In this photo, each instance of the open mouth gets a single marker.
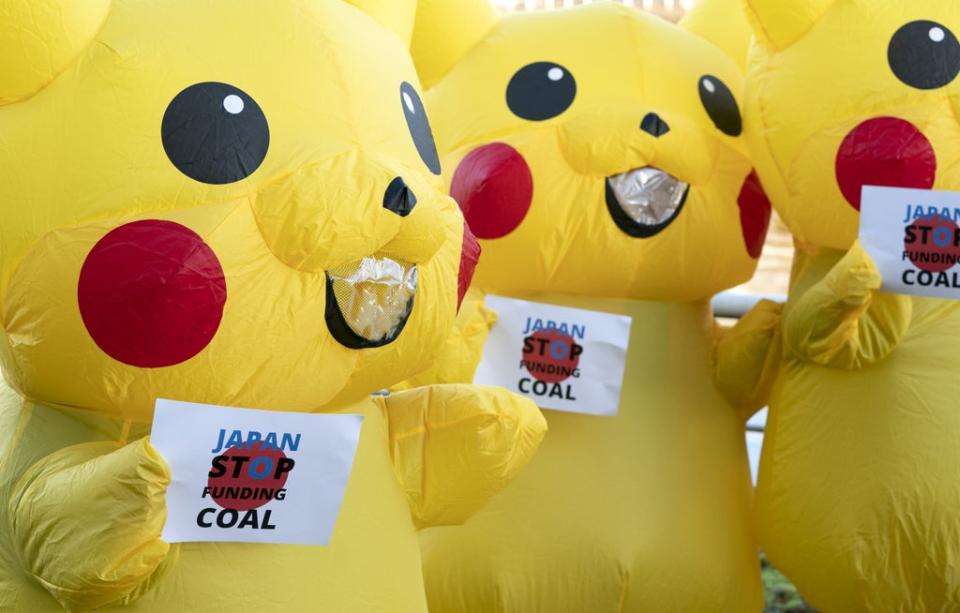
(370, 301)
(644, 201)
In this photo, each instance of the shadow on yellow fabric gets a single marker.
(598, 156)
(231, 202)
(858, 497)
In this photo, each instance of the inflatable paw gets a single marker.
(230, 202)
(597, 153)
(857, 497)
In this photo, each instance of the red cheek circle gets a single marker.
(755, 213)
(494, 188)
(888, 152)
(469, 256)
(151, 294)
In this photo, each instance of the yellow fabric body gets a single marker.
(81, 528)
(457, 360)
(857, 499)
(649, 510)
(857, 494)
(81, 491)
(646, 511)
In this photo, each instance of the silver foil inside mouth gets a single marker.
(374, 296)
(649, 196)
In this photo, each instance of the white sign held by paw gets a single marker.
(561, 358)
(913, 236)
(244, 475)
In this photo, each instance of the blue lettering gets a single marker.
(266, 463)
(270, 442)
(290, 442)
(942, 236)
(235, 440)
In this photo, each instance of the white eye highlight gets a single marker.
(233, 104)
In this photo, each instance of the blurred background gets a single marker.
(771, 279)
(671, 9)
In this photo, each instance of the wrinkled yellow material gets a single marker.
(39, 39)
(457, 361)
(858, 494)
(649, 510)
(646, 511)
(746, 357)
(86, 508)
(484, 445)
(81, 490)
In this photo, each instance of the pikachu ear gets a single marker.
(723, 23)
(780, 23)
(396, 15)
(39, 39)
(445, 31)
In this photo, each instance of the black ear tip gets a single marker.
(654, 125)
(399, 198)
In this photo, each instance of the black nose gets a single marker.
(654, 125)
(399, 198)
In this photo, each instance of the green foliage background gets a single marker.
(781, 595)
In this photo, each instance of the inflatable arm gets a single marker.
(86, 522)
(458, 358)
(454, 446)
(844, 321)
(746, 358)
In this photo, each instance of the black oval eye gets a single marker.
(720, 105)
(419, 126)
(925, 55)
(215, 133)
(541, 91)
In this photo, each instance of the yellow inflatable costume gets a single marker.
(859, 499)
(597, 153)
(229, 202)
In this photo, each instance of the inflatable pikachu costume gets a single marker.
(597, 154)
(228, 202)
(859, 498)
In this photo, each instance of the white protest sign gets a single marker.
(243, 475)
(913, 237)
(564, 359)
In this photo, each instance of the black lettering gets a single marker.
(528, 345)
(285, 465)
(249, 519)
(200, 521)
(911, 235)
(238, 462)
(218, 469)
(227, 518)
